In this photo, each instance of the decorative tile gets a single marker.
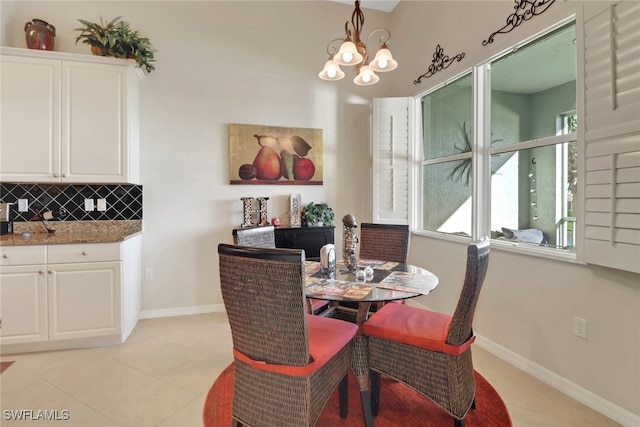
(124, 202)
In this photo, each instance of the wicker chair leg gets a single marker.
(236, 423)
(343, 394)
(375, 393)
(473, 404)
(458, 423)
(366, 408)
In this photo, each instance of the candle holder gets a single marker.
(263, 210)
(248, 211)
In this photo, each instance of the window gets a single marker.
(524, 149)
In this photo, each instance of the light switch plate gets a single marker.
(23, 205)
(102, 205)
(88, 205)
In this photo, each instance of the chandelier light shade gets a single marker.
(348, 54)
(366, 76)
(383, 60)
(353, 52)
(331, 71)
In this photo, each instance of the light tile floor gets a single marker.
(161, 375)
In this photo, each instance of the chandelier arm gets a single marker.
(357, 21)
(332, 50)
(347, 31)
(384, 38)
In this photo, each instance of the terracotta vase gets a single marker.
(39, 34)
(97, 50)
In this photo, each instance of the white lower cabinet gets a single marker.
(66, 296)
(23, 304)
(84, 300)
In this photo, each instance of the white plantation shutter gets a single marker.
(391, 134)
(612, 138)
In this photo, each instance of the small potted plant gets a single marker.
(116, 38)
(317, 215)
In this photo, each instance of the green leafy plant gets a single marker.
(314, 213)
(463, 168)
(116, 38)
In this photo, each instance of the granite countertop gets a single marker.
(34, 233)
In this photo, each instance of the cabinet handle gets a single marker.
(64, 175)
(5, 256)
(50, 272)
(84, 253)
(55, 175)
(40, 272)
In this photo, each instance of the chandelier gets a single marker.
(353, 52)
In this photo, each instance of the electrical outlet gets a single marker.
(148, 274)
(102, 205)
(88, 205)
(23, 205)
(580, 327)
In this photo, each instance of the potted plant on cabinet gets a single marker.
(116, 38)
(317, 215)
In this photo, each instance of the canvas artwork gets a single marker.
(260, 154)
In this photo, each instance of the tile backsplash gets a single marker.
(123, 201)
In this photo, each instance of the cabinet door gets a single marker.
(29, 130)
(84, 300)
(23, 304)
(95, 130)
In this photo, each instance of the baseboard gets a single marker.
(581, 394)
(181, 311)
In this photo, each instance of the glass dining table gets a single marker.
(390, 281)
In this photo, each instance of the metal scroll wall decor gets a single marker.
(440, 62)
(524, 11)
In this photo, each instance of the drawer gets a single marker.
(84, 252)
(22, 255)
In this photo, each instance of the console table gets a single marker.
(311, 239)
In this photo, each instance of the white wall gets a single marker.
(220, 63)
(257, 63)
(527, 304)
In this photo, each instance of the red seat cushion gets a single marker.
(413, 326)
(326, 338)
(317, 304)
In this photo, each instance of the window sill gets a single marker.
(533, 250)
(508, 246)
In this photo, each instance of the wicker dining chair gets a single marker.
(259, 237)
(385, 242)
(287, 362)
(264, 237)
(388, 242)
(427, 350)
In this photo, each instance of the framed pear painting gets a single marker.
(274, 155)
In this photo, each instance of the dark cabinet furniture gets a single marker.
(311, 239)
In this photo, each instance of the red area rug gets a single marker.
(399, 406)
(5, 365)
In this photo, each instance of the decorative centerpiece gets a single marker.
(117, 39)
(317, 215)
(349, 242)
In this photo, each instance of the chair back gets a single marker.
(386, 242)
(460, 329)
(263, 293)
(258, 237)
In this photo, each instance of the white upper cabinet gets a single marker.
(68, 118)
